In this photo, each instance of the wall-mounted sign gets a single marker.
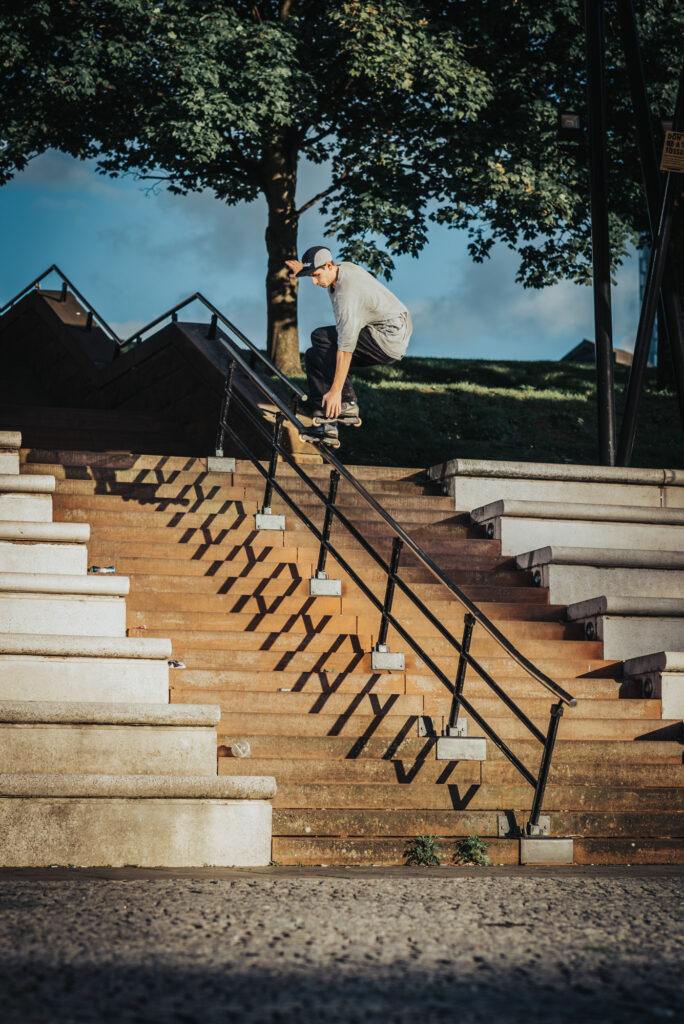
(673, 152)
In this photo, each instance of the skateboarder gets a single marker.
(371, 327)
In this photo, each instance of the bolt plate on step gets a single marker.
(267, 520)
(461, 748)
(541, 850)
(509, 829)
(460, 729)
(426, 727)
(220, 464)
(386, 661)
(321, 586)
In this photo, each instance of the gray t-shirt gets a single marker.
(359, 300)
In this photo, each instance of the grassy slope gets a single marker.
(423, 411)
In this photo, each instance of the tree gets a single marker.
(423, 110)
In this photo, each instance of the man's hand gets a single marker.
(332, 403)
(295, 266)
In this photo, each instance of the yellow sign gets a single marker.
(673, 152)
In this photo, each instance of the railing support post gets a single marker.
(389, 592)
(542, 778)
(273, 464)
(89, 321)
(223, 415)
(63, 293)
(327, 524)
(468, 626)
(211, 334)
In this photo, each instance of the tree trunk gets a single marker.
(280, 184)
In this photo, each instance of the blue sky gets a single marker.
(134, 254)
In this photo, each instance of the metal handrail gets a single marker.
(54, 269)
(401, 539)
(275, 399)
(547, 740)
(136, 337)
(429, 563)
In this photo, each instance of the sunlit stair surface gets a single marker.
(97, 767)
(292, 673)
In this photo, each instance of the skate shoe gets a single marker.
(326, 433)
(349, 416)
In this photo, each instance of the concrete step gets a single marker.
(10, 443)
(524, 525)
(112, 739)
(630, 627)
(21, 557)
(134, 820)
(68, 583)
(37, 667)
(661, 676)
(476, 482)
(63, 614)
(21, 507)
(25, 483)
(48, 532)
(577, 574)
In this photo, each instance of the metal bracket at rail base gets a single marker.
(509, 829)
(321, 585)
(267, 520)
(383, 660)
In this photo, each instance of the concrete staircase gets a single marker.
(292, 673)
(96, 766)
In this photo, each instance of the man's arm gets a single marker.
(332, 399)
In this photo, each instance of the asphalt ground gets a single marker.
(577, 944)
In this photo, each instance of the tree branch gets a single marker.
(317, 199)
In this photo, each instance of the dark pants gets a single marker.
(321, 360)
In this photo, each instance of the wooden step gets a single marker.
(412, 749)
(539, 619)
(254, 636)
(354, 851)
(389, 682)
(429, 772)
(413, 822)
(366, 702)
(384, 722)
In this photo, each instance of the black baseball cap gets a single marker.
(315, 257)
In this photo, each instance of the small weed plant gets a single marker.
(472, 850)
(424, 851)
